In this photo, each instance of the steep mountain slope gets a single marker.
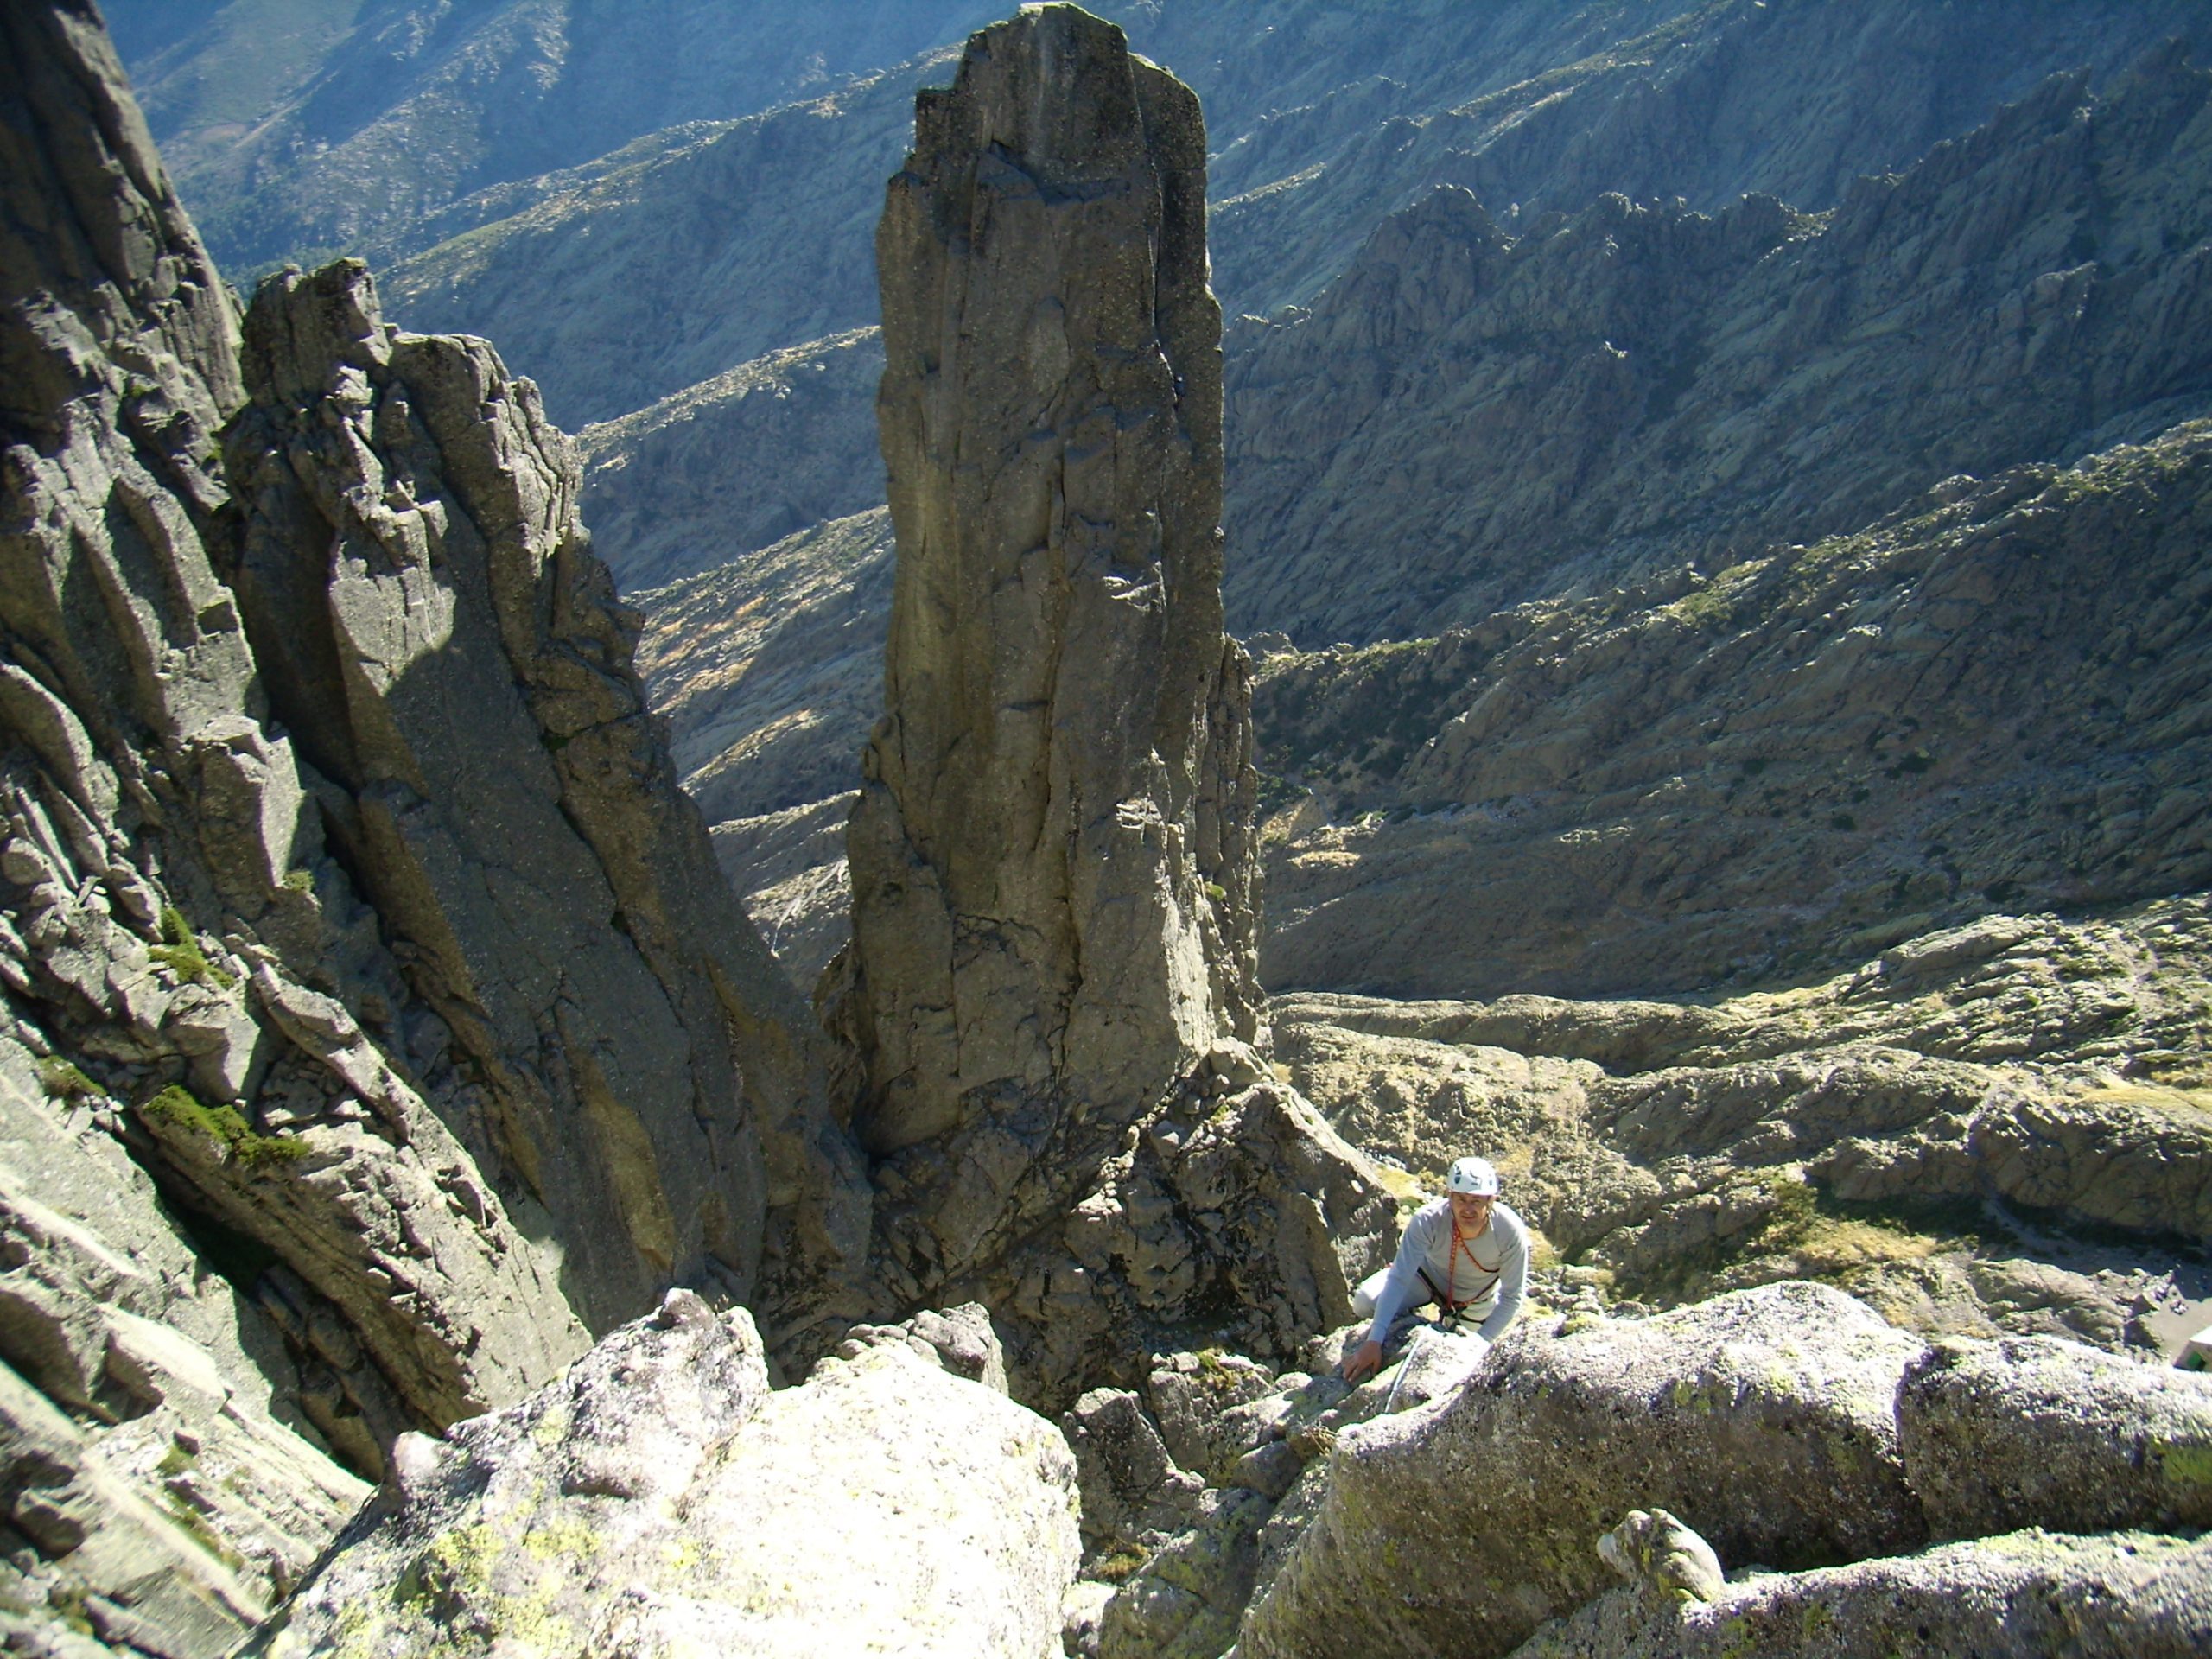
(1997, 697)
(614, 291)
(740, 461)
(310, 125)
(770, 670)
(701, 250)
(1793, 98)
(344, 1062)
(1469, 419)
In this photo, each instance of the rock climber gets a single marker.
(1466, 1252)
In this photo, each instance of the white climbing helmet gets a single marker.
(1473, 1175)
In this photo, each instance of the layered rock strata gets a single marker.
(281, 1180)
(1992, 1128)
(235, 1242)
(1053, 876)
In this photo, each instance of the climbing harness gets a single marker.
(1452, 1304)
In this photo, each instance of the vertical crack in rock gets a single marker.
(1052, 858)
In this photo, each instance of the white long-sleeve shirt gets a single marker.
(1497, 1259)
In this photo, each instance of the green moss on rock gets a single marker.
(224, 1125)
(181, 954)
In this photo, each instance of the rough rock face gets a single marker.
(2120, 1596)
(658, 1498)
(1794, 764)
(1053, 872)
(1578, 1415)
(1058, 777)
(444, 649)
(166, 1430)
(1765, 1419)
(1633, 386)
(2036, 1432)
(260, 1139)
(153, 1436)
(1784, 1428)
(1992, 1128)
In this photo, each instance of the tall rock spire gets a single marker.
(1052, 859)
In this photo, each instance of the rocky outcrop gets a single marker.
(1785, 767)
(175, 1391)
(167, 1483)
(1763, 440)
(1764, 1419)
(2037, 1432)
(2120, 1595)
(1992, 1128)
(1845, 1417)
(1053, 903)
(1636, 386)
(1787, 1428)
(286, 1175)
(658, 1498)
(444, 649)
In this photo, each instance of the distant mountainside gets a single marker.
(1468, 418)
(337, 125)
(1997, 699)
(614, 287)
(1513, 335)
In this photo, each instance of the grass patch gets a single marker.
(63, 1081)
(181, 954)
(1121, 1560)
(194, 1526)
(1811, 1234)
(66, 1603)
(224, 1125)
(2191, 1105)
(1407, 1189)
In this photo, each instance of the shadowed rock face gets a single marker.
(1051, 863)
(167, 1433)
(437, 636)
(1051, 981)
